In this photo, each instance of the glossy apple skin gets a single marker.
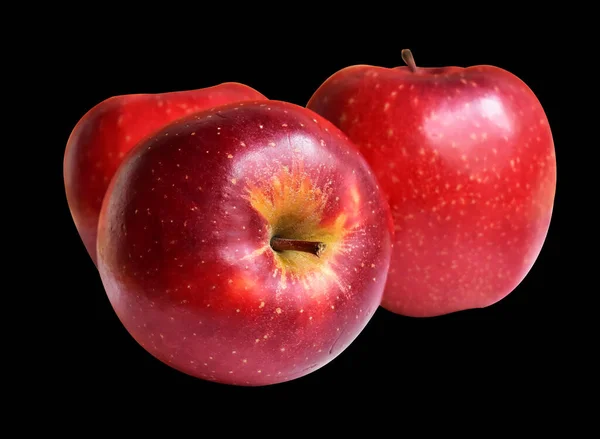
(103, 136)
(184, 254)
(466, 159)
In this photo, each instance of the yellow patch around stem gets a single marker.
(293, 206)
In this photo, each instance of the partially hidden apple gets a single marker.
(103, 136)
(248, 244)
(466, 159)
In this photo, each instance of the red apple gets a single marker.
(247, 244)
(466, 159)
(109, 130)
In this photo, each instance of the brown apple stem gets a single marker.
(408, 58)
(283, 244)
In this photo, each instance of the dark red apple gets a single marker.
(248, 244)
(466, 159)
(109, 130)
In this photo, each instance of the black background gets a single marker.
(513, 347)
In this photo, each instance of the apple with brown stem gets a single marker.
(247, 245)
(466, 159)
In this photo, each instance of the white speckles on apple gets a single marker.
(390, 132)
(350, 101)
(415, 100)
(261, 126)
(386, 106)
(278, 310)
(393, 94)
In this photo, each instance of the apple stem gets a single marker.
(408, 58)
(283, 244)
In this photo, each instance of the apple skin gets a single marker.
(466, 159)
(184, 233)
(103, 136)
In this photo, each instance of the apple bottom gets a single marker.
(464, 271)
(243, 348)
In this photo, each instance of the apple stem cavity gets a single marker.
(408, 58)
(283, 244)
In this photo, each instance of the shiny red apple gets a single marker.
(103, 136)
(466, 159)
(247, 244)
